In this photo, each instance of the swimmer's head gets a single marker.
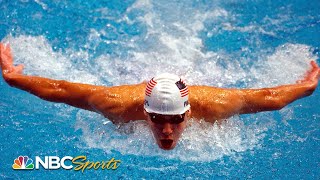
(166, 94)
(167, 108)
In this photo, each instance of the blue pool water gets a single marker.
(239, 44)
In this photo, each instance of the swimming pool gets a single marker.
(243, 44)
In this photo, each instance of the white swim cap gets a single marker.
(166, 94)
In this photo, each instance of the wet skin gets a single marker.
(167, 133)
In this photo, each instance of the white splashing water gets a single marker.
(201, 141)
(173, 46)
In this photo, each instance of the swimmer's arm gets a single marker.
(268, 99)
(60, 91)
(216, 104)
(121, 103)
(118, 103)
(212, 104)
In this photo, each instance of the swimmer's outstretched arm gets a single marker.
(214, 104)
(112, 102)
(268, 99)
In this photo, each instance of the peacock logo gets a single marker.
(23, 162)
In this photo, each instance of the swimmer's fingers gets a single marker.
(5, 58)
(312, 74)
(6, 53)
(314, 64)
(315, 68)
(315, 71)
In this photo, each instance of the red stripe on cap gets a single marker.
(183, 90)
(152, 82)
(150, 87)
(184, 95)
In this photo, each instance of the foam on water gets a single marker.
(39, 59)
(201, 141)
(171, 44)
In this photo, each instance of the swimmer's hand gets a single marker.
(6, 61)
(311, 76)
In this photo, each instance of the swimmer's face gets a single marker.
(167, 129)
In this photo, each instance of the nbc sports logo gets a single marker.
(23, 162)
(55, 162)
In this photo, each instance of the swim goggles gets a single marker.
(162, 119)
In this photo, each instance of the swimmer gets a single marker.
(165, 102)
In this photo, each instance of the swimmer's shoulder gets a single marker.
(120, 103)
(210, 103)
